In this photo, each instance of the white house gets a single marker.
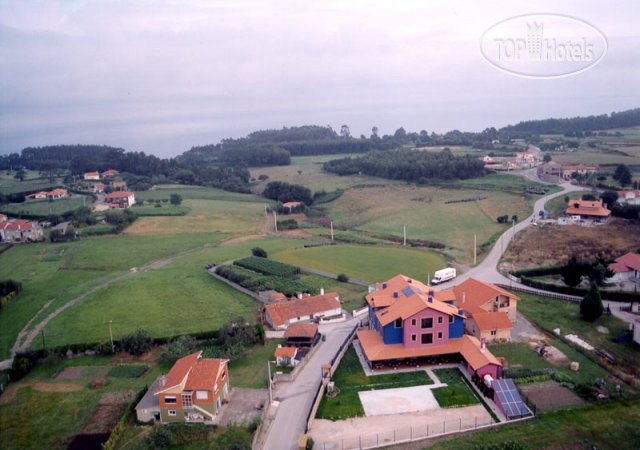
(286, 356)
(282, 314)
(626, 267)
(629, 197)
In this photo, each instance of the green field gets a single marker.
(45, 207)
(164, 191)
(457, 392)
(33, 181)
(350, 379)
(365, 263)
(607, 425)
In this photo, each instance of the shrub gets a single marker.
(232, 438)
(137, 342)
(176, 349)
(343, 278)
(175, 199)
(160, 437)
(255, 423)
(259, 252)
(591, 305)
(263, 177)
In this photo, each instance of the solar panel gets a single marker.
(509, 398)
(408, 292)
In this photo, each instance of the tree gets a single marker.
(572, 272)
(622, 175)
(591, 305)
(546, 158)
(137, 342)
(343, 278)
(588, 197)
(259, 252)
(374, 132)
(514, 218)
(609, 198)
(175, 199)
(345, 132)
(176, 349)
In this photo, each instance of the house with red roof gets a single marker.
(286, 356)
(120, 199)
(38, 195)
(98, 188)
(629, 197)
(592, 210)
(110, 173)
(411, 321)
(569, 172)
(18, 230)
(57, 193)
(491, 311)
(282, 314)
(92, 175)
(302, 334)
(626, 267)
(193, 391)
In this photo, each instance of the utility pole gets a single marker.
(269, 373)
(404, 234)
(113, 349)
(475, 251)
(331, 230)
(275, 220)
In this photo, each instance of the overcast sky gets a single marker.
(162, 76)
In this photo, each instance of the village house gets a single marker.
(3, 218)
(488, 160)
(121, 199)
(569, 172)
(98, 188)
(550, 169)
(302, 334)
(626, 267)
(291, 206)
(119, 185)
(631, 197)
(491, 311)
(527, 159)
(286, 356)
(592, 210)
(92, 175)
(409, 320)
(193, 391)
(38, 195)
(57, 193)
(18, 230)
(109, 173)
(282, 314)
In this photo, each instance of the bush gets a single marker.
(288, 224)
(255, 423)
(259, 252)
(343, 278)
(160, 437)
(263, 177)
(137, 342)
(591, 305)
(175, 199)
(176, 349)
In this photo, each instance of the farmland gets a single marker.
(365, 263)
(45, 207)
(32, 182)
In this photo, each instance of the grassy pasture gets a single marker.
(164, 191)
(32, 182)
(424, 211)
(45, 207)
(365, 263)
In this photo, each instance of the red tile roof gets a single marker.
(286, 352)
(110, 172)
(120, 194)
(587, 208)
(17, 225)
(282, 311)
(407, 307)
(626, 263)
(477, 293)
(305, 330)
(193, 372)
(92, 174)
(291, 204)
(622, 194)
(389, 291)
(58, 191)
(492, 321)
(468, 346)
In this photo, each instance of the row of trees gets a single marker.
(409, 165)
(285, 192)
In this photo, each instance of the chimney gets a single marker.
(300, 296)
(384, 285)
(409, 280)
(321, 291)
(464, 296)
(395, 295)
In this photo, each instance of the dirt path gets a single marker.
(29, 336)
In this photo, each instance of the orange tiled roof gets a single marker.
(406, 308)
(587, 208)
(468, 346)
(17, 225)
(193, 372)
(476, 294)
(291, 204)
(91, 174)
(306, 330)
(384, 294)
(623, 194)
(282, 311)
(492, 321)
(120, 194)
(58, 191)
(626, 263)
(285, 352)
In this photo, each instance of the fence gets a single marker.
(407, 434)
(359, 312)
(541, 293)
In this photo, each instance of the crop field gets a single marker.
(45, 207)
(307, 171)
(426, 215)
(365, 263)
(32, 181)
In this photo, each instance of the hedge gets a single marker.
(538, 271)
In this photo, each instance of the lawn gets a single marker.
(32, 182)
(366, 263)
(457, 392)
(164, 191)
(550, 314)
(426, 214)
(36, 419)
(351, 295)
(250, 371)
(350, 379)
(45, 207)
(557, 206)
(597, 426)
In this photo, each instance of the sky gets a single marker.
(163, 76)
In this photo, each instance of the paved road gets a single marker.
(296, 398)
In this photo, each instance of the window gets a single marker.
(169, 399)
(450, 319)
(427, 323)
(413, 337)
(171, 412)
(439, 334)
(202, 395)
(493, 332)
(187, 400)
(427, 338)
(398, 323)
(413, 322)
(440, 319)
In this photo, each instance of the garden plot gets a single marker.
(549, 394)
(398, 401)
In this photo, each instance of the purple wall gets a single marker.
(490, 369)
(417, 329)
